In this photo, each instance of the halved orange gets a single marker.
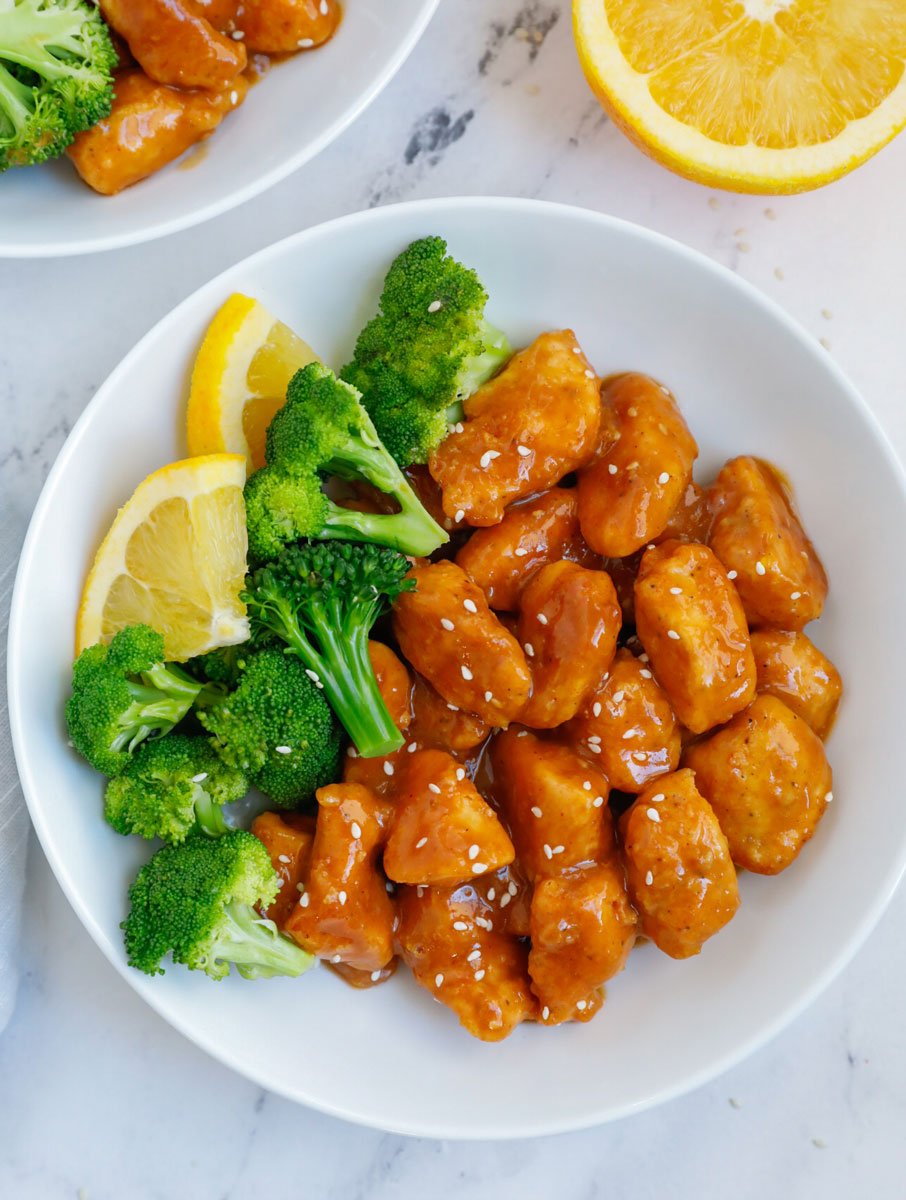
(751, 95)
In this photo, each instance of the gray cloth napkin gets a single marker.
(13, 816)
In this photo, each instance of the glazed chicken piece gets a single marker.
(526, 429)
(150, 125)
(627, 727)
(509, 893)
(288, 838)
(582, 929)
(345, 914)
(451, 941)
(554, 802)
(443, 832)
(534, 532)
(287, 26)
(174, 44)
(768, 781)
(447, 632)
(792, 668)
(395, 685)
(440, 725)
(680, 874)
(630, 491)
(569, 621)
(690, 621)
(757, 536)
(220, 13)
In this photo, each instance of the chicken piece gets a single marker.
(554, 802)
(345, 913)
(220, 13)
(532, 533)
(288, 839)
(582, 929)
(287, 26)
(395, 686)
(627, 726)
(532, 424)
(149, 126)
(440, 725)
(792, 668)
(444, 832)
(510, 893)
(628, 494)
(690, 521)
(768, 781)
(678, 866)
(690, 621)
(448, 938)
(757, 536)
(569, 621)
(174, 44)
(447, 632)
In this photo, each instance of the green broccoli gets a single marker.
(322, 599)
(219, 666)
(197, 901)
(56, 76)
(428, 349)
(170, 787)
(123, 693)
(278, 727)
(323, 430)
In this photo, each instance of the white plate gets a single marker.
(300, 107)
(748, 380)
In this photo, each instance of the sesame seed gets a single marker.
(460, 774)
(312, 675)
(305, 43)
(542, 619)
(459, 427)
(355, 829)
(470, 605)
(453, 707)
(681, 871)
(375, 976)
(412, 747)
(505, 899)
(596, 708)
(629, 733)
(341, 896)
(389, 768)
(658, 798)
(558, 849)
(586, 784)
(337, 958)
(466, 673)
(479, 975)
(389, 887)
(529, 649)
(594, 740)
(523, 451)
(447, 624)
(673, 635)
(284, 858)
(479, 868)
(304, 900)
(759, 567)
(731, 574)
(234, 98)
(474, 956)
(548, 853)
(421, 842)
(633, 412)
(654, 815)
(200, 777)
(618, 696)
(351, 752)
(642, 658)
(828, 798)
(640, 755)
(237, 35)
(645, 674)
(581, 1005)
(434, 306)
(664, 477)
(438, 979)
(589, 374)
(520, 552)
(283, 749)
(675, 591)
(473, 850)
(492, 893)
(536, 812)
(594, 747)
(489, 696)
(460, 926)
(795, 595)
(612, 468)
(488, 457)
(432, 787)
(649, 878)
(511, 888)
(460, 512)
(545, 1013)
(597, 802)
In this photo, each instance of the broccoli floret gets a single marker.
(219, 666)
(278, 727)
(56, 77)
(323, 430)
(197, 901)
(322, 599)
(428, 349)
(170, 787)
(123, 693)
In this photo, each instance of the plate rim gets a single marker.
(426, 1127)
(10, 250)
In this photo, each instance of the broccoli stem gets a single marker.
(412, 532)
(256, 946)
(480, 367)
(208, 814)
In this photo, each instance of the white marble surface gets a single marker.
(99, 1099)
